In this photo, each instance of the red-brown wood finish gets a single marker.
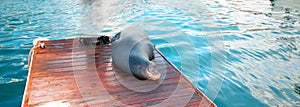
(69, 73)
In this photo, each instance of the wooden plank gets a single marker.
(69, 73)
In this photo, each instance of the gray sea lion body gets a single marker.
(132, 53)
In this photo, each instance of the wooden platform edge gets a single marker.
(28, 82)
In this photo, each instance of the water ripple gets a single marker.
(247, 49)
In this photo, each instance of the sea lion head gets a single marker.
(146, 71)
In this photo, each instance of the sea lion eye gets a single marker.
(138, 67)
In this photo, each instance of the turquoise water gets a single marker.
(239, 53)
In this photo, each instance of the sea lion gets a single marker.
(132, 53)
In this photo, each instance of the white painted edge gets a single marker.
(27, 82)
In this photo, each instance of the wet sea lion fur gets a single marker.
(132, 53)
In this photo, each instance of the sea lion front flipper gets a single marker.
(116, 37)
(152, 53)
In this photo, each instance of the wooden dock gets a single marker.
(71, 73)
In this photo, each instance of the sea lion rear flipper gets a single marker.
(102, 40)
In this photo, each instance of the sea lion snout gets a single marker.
(154, 75)
(146, 70)
(152, 72)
